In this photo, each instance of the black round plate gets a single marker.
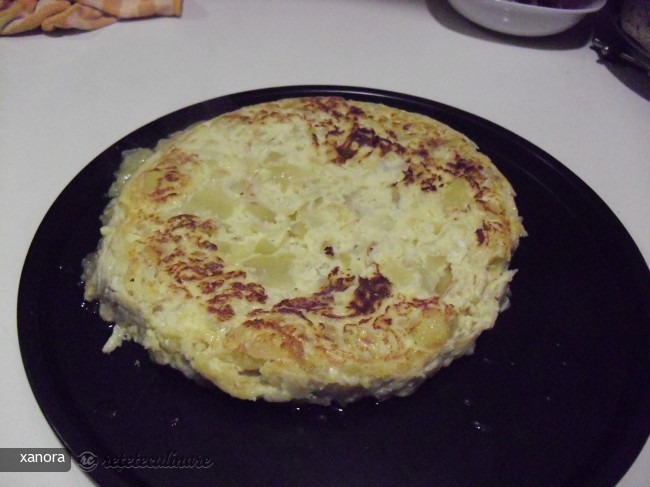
(555, 395)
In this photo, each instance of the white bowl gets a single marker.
(519, 19)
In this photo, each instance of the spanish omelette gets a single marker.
(317, 249)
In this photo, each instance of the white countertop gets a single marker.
(64, 99)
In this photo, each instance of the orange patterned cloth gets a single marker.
(125, 9)
(77, 17)
(17, 16)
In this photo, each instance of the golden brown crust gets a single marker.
(352, 321)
